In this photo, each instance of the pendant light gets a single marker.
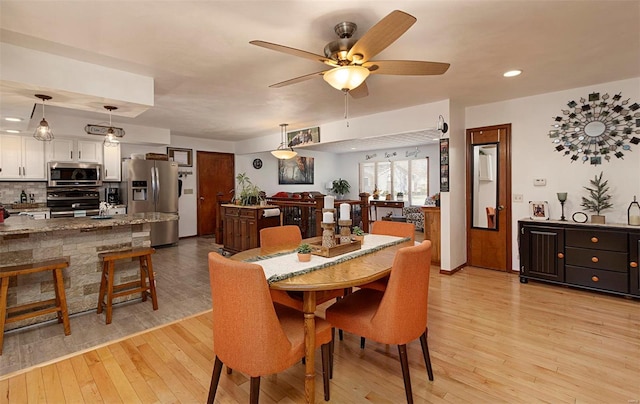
(284, 152)
(43, 131)
(110, 139)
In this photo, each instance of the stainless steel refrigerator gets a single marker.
(152, 186)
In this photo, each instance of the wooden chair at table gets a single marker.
(396, 316)
(290, 237)
(252, 334)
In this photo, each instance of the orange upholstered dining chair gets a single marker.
(396, 316)
(290, 237)
(251, 334)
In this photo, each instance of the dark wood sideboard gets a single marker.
(242, 225)
(596, 257)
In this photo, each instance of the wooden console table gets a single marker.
(381, 203)
(432, 231)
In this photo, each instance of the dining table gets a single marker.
(338, 274)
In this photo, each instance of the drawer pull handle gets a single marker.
(560, 255)
(595, 278)
(594, 239)
(594, 259)
(633, 264)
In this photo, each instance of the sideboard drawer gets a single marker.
(250, 213)
(598, 239)
(597, 278)
(599, 259)
(231, 211)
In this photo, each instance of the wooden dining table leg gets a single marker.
(309, 308)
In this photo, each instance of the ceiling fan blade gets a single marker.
(381, 35)
(294, 52)
(359, 92)
(298, 79)
(406, 67)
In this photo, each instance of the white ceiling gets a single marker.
(211, 83)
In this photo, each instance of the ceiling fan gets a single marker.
(350, 59)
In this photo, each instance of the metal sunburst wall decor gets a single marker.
(597, 128)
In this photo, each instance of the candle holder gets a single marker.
(328, 234)
(345, 230)
(562, 197)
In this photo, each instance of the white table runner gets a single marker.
(286, 265)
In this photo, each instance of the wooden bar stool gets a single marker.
(113, 291)
(25, 311)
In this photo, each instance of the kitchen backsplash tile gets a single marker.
(10, 191)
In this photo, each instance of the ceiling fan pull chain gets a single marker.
(346, 106)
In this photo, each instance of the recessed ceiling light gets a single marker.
(13, 119)
(12, 131)
(512, 73)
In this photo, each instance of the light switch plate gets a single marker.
(188, 191)
(517, 198)
(539, 182)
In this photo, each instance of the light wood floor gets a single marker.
(491, 339)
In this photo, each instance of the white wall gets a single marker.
(534, 156)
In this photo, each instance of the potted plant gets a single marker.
(304, 252)
(357, 234)
(340, 187)
(598, 199)
(399, 196)
(249, 192)
(376, 192)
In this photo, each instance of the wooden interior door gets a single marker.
(215, 174)
(489, 197)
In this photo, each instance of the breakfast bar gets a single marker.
(24, 240)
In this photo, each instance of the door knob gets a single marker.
(202, 198)
(501, 207)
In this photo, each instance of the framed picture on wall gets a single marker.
(444, 165)
(298, 170)
(303, 136)
(184, 157)
(539, 210)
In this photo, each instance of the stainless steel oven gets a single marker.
(72, 202)
(62, 174)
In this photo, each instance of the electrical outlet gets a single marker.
(518, 198)
(539, 182)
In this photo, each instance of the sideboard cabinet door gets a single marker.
(634, 263)
(541, 253)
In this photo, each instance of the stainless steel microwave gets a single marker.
(61, 174)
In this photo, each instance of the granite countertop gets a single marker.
(25, 225)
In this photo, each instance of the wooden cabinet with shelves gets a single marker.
(242, 225)
(595, 257)
(432, 231)
(21, 158)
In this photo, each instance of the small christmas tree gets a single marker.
(598, 197)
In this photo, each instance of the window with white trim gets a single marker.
(411, 177)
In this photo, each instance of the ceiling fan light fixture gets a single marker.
(283, 152)
(346, 77)
(43, 132)
(512, 73)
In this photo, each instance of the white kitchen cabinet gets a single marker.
(21, 158)
(112, 165)
(75, 150)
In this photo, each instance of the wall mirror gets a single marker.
(484, 189)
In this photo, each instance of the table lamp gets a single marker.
(562, 197)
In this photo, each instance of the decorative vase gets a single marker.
(304, 257)
(438, 203)
(598, 219)
(360, 238)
